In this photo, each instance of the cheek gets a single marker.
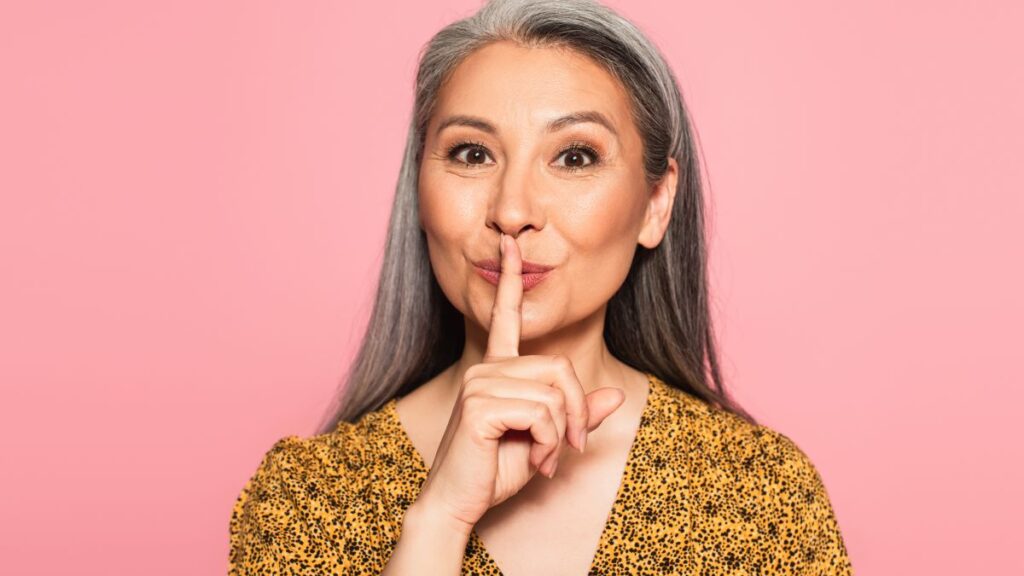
(446, 212)
(447, 215)
(602, 232)
(604, 219)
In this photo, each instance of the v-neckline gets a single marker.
(476, 543)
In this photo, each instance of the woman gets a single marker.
(544, 288)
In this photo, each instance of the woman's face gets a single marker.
(572, 194)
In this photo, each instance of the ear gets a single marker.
(659, 207)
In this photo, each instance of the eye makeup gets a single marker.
(576, 147)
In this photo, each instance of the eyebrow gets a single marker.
(585, 116)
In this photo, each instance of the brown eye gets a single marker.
(578, 157)
(475, 154)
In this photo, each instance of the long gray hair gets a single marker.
(658, 321)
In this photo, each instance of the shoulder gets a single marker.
(308, 501)
(750, 479)
(339, 457)
(739, 447)
(308, 473)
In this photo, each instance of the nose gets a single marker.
(516, 201)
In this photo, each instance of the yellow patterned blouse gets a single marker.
(703, 492)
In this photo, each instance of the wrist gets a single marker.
(430, 542)
(427, 514)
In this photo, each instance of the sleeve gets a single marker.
(279, 525)
(802, 520)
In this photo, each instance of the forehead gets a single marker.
(516, 86)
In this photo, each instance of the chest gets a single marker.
(554, 526)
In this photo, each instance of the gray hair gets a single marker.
(659, 319)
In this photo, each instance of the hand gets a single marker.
(511, 415)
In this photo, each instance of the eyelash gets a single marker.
(454, 149)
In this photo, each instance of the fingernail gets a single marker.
(582, 440)
(553, 468)
(548, 466)
(501, 244)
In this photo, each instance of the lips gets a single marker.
(532, 275)
(528, 267)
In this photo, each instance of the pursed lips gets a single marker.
(528, 267)
(532, 275)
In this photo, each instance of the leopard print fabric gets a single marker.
(703, 492)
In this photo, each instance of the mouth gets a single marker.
(533, 273)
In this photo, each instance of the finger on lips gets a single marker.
(506, 316)
(503, 344)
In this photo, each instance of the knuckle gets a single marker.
(555, 397)
(471, 405)
(471, 373)
(471, 387)
(562, 364)
(540, 411)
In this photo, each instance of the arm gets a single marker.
(290, 519)
(276, 526)
(429, 543)
(815, 546)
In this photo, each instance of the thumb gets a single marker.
(601, 403)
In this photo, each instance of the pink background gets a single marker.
(194, 199)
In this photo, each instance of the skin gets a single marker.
(585, 222)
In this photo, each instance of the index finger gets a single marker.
(506, 316)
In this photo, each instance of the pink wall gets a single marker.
(194, 197)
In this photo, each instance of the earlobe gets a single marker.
(659, 207)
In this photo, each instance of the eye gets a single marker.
(475, 153)
(576, 154)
